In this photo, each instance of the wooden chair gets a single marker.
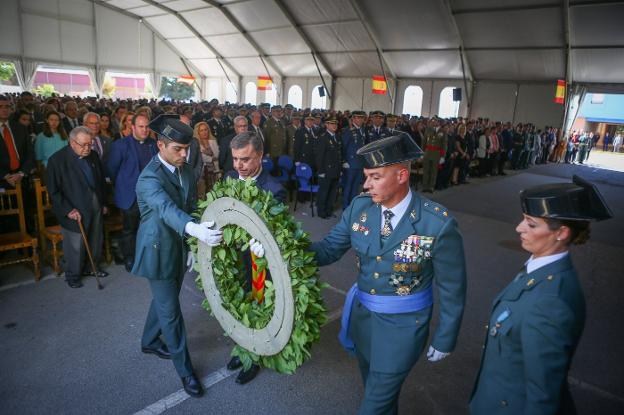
(12, 204)
(47, 232)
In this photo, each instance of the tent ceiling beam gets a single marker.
(190, 27)
(299, 28)
(150, 28)
(234, 21)
(362, 17)
(557, 5)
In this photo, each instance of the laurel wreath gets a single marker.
(229, 274)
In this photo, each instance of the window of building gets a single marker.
(295, 96)
(250, 93)
(448, 108)
(8, 78)
(73, 82)
(412, 101)
(318, 101)
(597, 98)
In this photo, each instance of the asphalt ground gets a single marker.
(77, 351)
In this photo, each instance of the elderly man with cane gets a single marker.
(77, 188)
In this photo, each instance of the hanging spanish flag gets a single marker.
(264, 83)
(186, 79)
(560, 92)
(379, 84)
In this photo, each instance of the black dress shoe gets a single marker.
(162, 351)
(74, 283)
(234, 363)
(192, 386)
(245, 376)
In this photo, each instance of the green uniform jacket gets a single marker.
(392, 343)
(275, 136)
(526, 357)
(165, 206)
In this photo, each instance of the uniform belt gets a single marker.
(391, 304)
(432, 148)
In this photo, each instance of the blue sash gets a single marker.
(391, 304)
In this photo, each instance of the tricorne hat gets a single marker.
(579, 200)
(170, 126)
(390, 150)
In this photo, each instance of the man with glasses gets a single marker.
(77, 188)
(225, 154)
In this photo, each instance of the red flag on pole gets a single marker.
(560, 91)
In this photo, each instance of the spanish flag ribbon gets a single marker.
(257, 281)
(560, 91)
(379, 84)
(264, 83)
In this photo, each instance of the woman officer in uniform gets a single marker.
(537, 320)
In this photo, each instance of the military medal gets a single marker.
(363, 217)
(355, 227)
(501, 317)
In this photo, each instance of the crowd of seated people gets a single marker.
(454, 149)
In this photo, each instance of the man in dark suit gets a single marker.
(101, 144)
(70, 121)
(16, 162)
(328, 166)
(225, 154)
(77, 188)
(166, 198)
(216, 125)
(16, 153)
(247, 151)
(305, 139)
(128, 157)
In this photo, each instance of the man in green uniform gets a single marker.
(274, 131)
(435, 149)
(404, 244)
(166, 198)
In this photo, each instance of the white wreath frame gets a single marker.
(271, 339)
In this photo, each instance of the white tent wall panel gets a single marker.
(536, 105)
(10, 29)
(494, 100)
(78, 43)
(167, 60)
(41, 37)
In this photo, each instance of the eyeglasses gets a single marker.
(85, 145)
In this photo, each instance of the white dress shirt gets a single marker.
(398, 210)
(535, 263)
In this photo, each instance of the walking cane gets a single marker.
(95, 271)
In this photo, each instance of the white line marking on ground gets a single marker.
(213, 378)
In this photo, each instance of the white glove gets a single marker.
(190, 261)
(321, 175)
(256, 248)
(345, 165)
(203, 232)
(441, 160)
(297, 163)
(435, 356)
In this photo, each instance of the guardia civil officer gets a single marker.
(377, 131)
(537, 320)
(328, 166)
(352, 139)
(166, 197)
(404, 244)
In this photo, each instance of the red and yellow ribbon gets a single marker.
(257, 281)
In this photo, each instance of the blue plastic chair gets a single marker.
(267, 164)
(303, 173)
(285, 165)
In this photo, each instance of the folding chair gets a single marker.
(303, 173)
(47, 232)
(12, 204)
(286, 165)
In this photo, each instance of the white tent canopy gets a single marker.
(506, 55)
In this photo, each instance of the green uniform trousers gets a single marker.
(165, 318)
